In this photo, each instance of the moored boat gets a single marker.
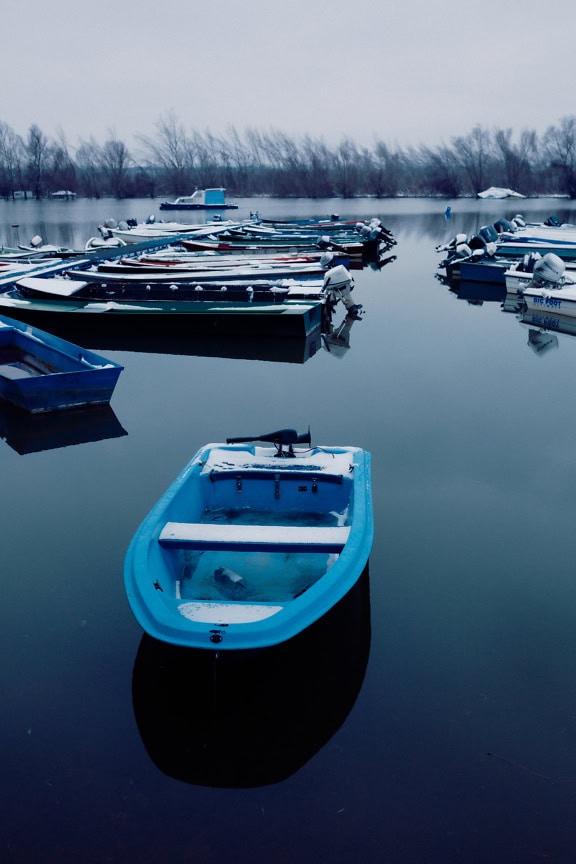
(251, 544)
(41, 372)
(201, 199)
(175, 319)
(547, 289)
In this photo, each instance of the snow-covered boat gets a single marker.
(252, 544)
(41, 372)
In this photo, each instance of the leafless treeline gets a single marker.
(175, 161)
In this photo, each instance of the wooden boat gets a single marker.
(201, 199)
(251, 544)
(41, 372)
(150, 230)
(206, 272)
(259, 245)
(60, 304)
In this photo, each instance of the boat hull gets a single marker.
(40, 372)
(170, 205)
(245, 549)
(179, 320)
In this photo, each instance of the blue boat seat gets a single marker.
(273, 538)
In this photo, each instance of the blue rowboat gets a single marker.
(251, 544)
(41, 372)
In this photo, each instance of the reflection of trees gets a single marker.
(175, 160)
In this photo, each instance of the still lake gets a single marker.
(433, 719)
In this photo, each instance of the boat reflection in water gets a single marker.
(271, 346)
(30, 433)
(477, 293)
(543, 329)
(251, 718)
(336, 338)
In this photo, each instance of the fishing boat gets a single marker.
(41, 372)
(201, 199)
(549, 288)
(254, 541)
(59, 304)
(488, 254)
(287, 307)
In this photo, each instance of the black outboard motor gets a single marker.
(553, 222)
(528, 261)
(503, 225)
(488, 233)
(476, 242)
(281, 438)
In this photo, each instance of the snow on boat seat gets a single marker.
(55, 286)
(199, 535)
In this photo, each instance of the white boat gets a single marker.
(201, 199)
(152, 230)
(548, 288)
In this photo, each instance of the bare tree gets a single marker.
(115, 160)
(11, 160)
(559, 147)
(170, 152)
(389, 169)
(318, 161)
(516, 157)
(89, 161)
(474, 151)
(38, 153)
(62, 171)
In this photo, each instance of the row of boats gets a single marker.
(159, 278)
(259, 537)
(535, 263)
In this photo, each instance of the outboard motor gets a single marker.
(326, 260)
(477, 242)
(519, 220)
(549, 270)
(503, 226)
(553, 222)
(36, 241)
(338, 284)
(488, 233)
(282, 438)
(528, 261)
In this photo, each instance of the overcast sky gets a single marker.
(403, 71)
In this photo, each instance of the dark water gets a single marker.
(436, 724)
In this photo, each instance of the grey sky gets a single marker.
(403, 71)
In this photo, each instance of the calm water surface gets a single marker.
(432, 718)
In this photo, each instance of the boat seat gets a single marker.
(237, 537)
